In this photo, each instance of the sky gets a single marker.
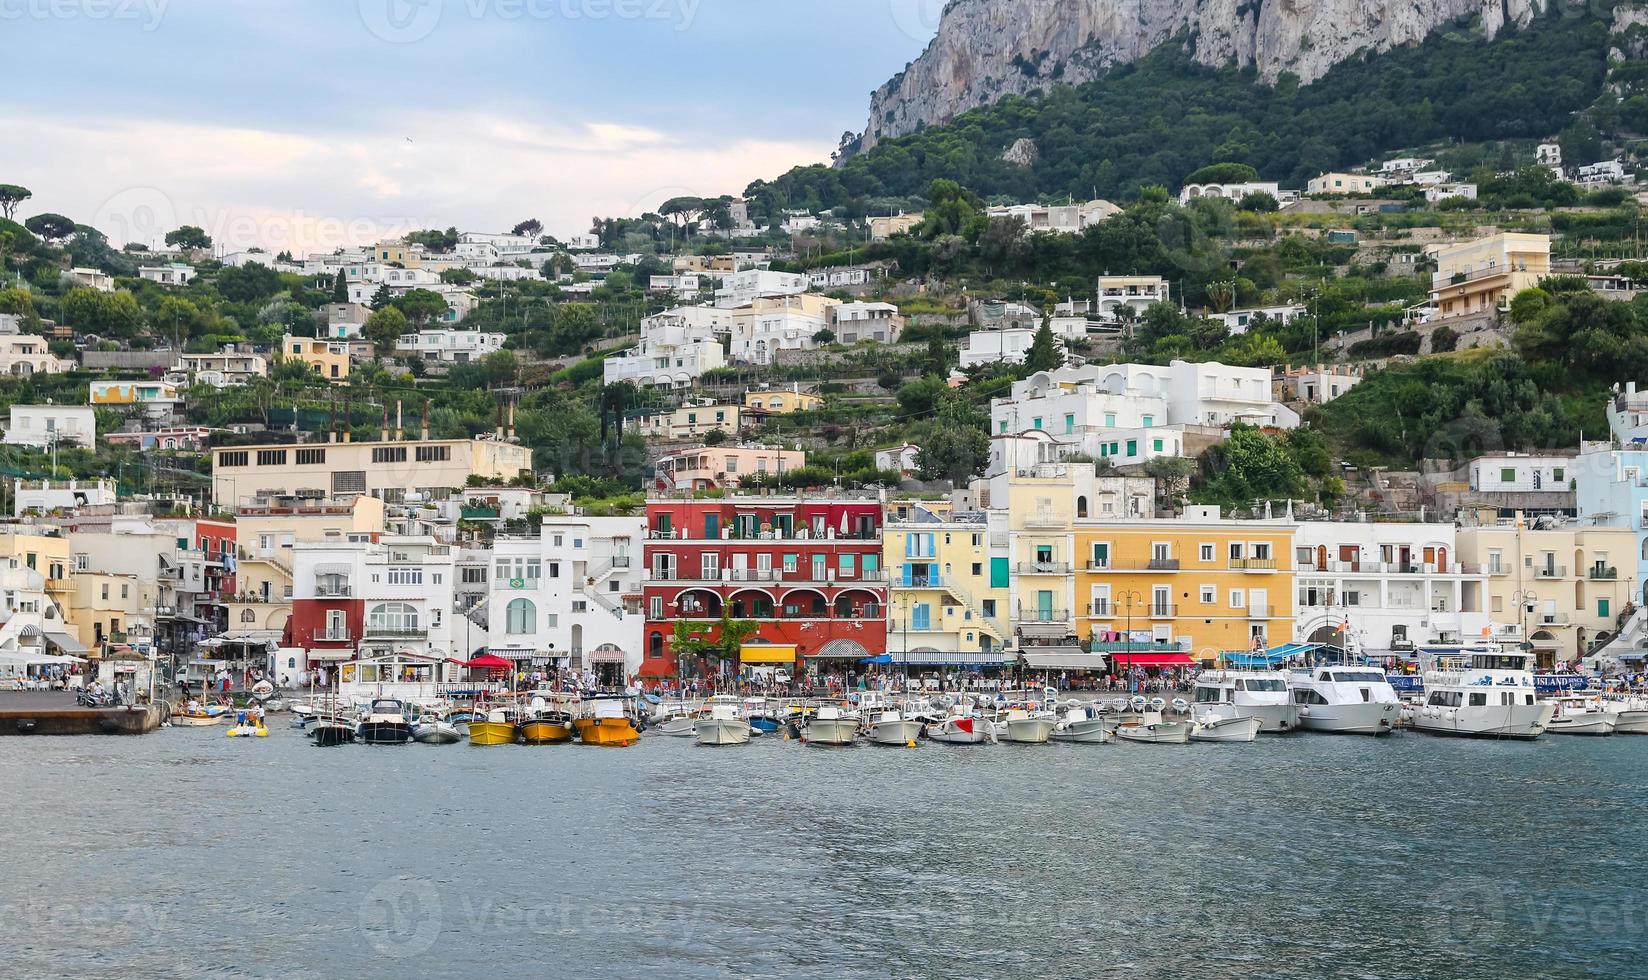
(309, 124)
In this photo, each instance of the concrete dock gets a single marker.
(55, 713)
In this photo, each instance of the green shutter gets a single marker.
(998, 573)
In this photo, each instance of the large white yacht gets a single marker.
(1482, 692)
(1348, 698)
(1261, 694)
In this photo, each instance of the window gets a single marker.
(1210, 593)
(349, 481)
(406, 576)
(978, 568)
(533, 570)
(1558, 473)
(397, 616)
(311, 457)
(1132, 447)
(271, 457)
(655, 607)
(1205, 552)
(1036, 422)
(1507, 475)
(389, 454)
(1156, 445)
(1235, 550)
(474, 576)
(1238, 599)
(1069, 423)
(1602, 606)
(239, 458)
(521, 616)
(431, 454)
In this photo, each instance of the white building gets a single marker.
(993, 346)
(23, 354)
(45, 496)
(171, 274)
(571, 596)
(1551, 473)
(855, 322)
(1230, 192)
(688, 286)
(1134, 292)
(43, 426)
(1601, 174)
(1343, 183)
(676, 348)
(450, 346)
(583, 242)
(92, 279)
(767, 326)
(221, 369)
(743, 288)
(1385, 588)
(899, 459)
(1441, 192)
(1059, 219)
(1239, 320)
(1320, 384)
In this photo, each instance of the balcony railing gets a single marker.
(1044, 568)
(1099, 565)
(1253, 564)
(756, 576)
(394, 632)
(1099, 607)
(1036, 614)
(1551, 571)
(1124, 648)
(332, 636)
(333, 591)
(1603, 574)
(1258, 611)
(1163, 610)
(797, 534)
(1162, 565)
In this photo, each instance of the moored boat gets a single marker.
(385, 723)
(960, 727)
(1581, 716)
(1159, 732)
(330, 731)
(1630, 715)
(431, 730)
(1217, 722)
(1025, 727)
(498, 727)
(1481, 693)
(1262, 694)
(893, 727)
(723, 725)
(831, 726)
(1347, 699)
(607, 723)
(1081, 724)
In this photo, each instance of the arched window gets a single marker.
(1081, 506)
(655, 645)
(393, 616)
(248, 616)
(521, 617)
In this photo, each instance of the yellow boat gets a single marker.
(499, 728)
(247, 731)
(545, 730)
(607, 724)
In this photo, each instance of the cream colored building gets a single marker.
(104, 607)
(1559, 589)
(1340, 183)
(693, 421)
(387, 469)
(1480, 277)
(883, 228)
(265, 533)
(780, 402)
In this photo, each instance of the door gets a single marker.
(1044, 605)
(740, 567)
(1258, 602)
(763, 566)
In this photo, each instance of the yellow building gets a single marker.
(1481, 276)
(103, 606)
(692, 421)
(131, 392)
(780, 402)
(329, 357)
(1562, 588)
(1198, 583)
(47, 554)
(947, 601)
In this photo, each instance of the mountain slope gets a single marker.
(988, 49)
(1154, 120)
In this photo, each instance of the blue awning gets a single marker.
(1271, 657)
(885, 658)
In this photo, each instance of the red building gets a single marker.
(807, 569)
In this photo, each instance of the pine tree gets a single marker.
(381, 298)
(340, 289)
(1045, 353)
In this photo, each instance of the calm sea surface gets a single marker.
(185, 853)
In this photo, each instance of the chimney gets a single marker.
(400, 433)
(331, 420)
(511, 430)
(498, 420)
(385, 430)
(426, 419)
(348, 417)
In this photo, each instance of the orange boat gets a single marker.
(608, 723)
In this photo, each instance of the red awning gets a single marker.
(1151, 658)
(490, 662)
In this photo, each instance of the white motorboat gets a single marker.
(1154, 731)
(1630, 715)
(1218, 722)
(831, 726)
(677, 725)
(891, 727)
(1344, 698)
(1261, 694)
(1026, 727)
(724, 725)
(1481, 693)
(1581, 716)
(1081, 724)
(961, 727)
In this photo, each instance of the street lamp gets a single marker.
(1132, 596)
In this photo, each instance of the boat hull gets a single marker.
(328, 734)
(1631, 722)
(385, 732)
(1522, 721)
(437, 734)
(1591, 723)
(1160, 733)
(198, 721)
(1273, 718)
(831, 731)
(541, 731)
(492, 733)
(614, 732)
(680, 727)
(1239, 729)
(970, 731)
(1028, 731)
(722, 731)
(1373, 718)
(901, 732)
(1089, 732)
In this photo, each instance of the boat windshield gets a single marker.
(1274, 684)
(1358, 676)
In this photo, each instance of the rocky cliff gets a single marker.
(987, 49)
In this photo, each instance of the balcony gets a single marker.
(1038, 615)
(1163, 610)
(1551, 571)
(1099, 565)
(1259, 612)
(1100, 607)
(1124, 647)
(1044, 568)
(332, 636)
(1499, 570)
(1600, 574)
(1162, 565)
(394, 632)
(333, 591)
(1253, 564)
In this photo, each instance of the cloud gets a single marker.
(135, 179)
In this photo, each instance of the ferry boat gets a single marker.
(723, 724)
(1261, 694)
(607, 723)
(1481, 692)
(1348, 699)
